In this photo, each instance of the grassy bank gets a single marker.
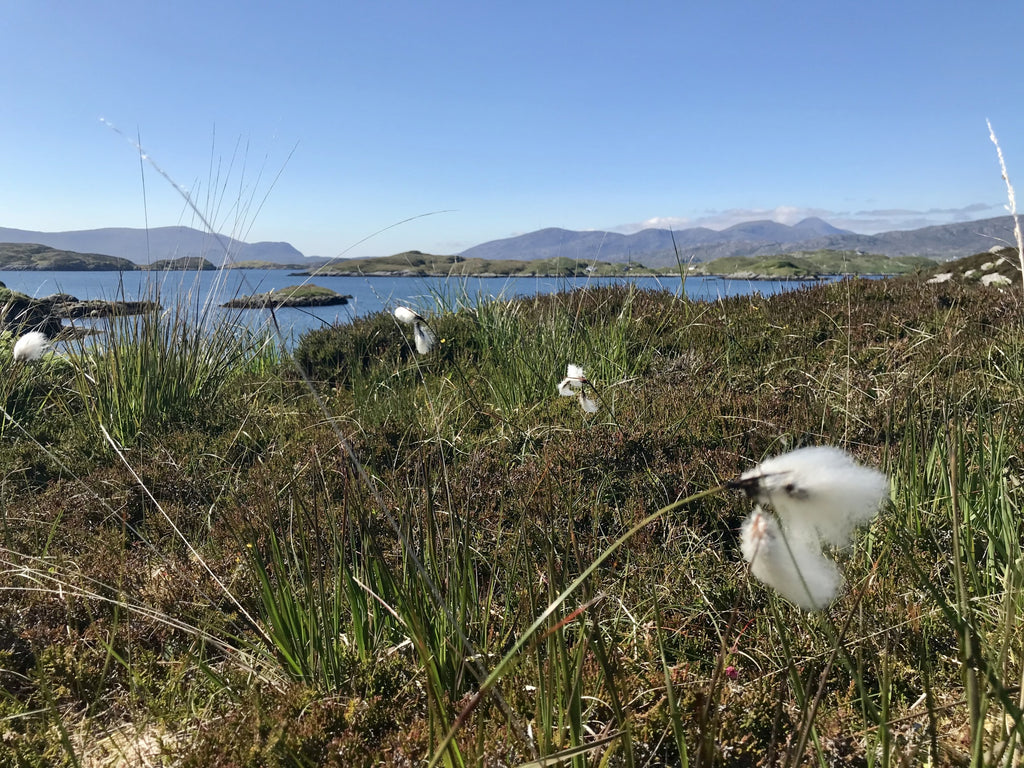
(822, 262)
(212, 554)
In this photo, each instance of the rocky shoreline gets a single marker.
(757, 276)
(20, 313)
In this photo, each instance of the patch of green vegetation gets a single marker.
(305, 295)
(814, 263)
(417, 264)
(258, 264)
(210, 557)
(185, 264)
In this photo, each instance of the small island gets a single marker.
(182, 264)
(35, 257)
(292, 296)
(419, 264)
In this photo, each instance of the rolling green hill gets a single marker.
(41, 257)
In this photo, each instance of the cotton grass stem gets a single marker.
(184, 539)
(510, 658)
(1012, 197)
(810, 712)
(474, 667)
(39, 573)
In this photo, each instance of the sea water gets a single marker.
(207, 290)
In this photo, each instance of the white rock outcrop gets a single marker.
(995, 278)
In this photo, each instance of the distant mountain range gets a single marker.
(658, 247)
(651, 247)
(144, 246)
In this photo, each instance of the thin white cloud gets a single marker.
(867, 222)
(870, 222)
(974, 208)
(784, 214)
(453, 246)
(663, 222)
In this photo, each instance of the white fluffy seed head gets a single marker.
(793, 567)
(573, 382)
(818, 491)
(424, 338)
(31, 346)
(406, 315)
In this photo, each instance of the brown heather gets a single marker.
(505, 493)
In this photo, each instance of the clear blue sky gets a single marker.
(511, 116)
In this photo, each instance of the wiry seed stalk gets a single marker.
(1011, 196)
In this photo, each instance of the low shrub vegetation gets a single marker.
(214, 552)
